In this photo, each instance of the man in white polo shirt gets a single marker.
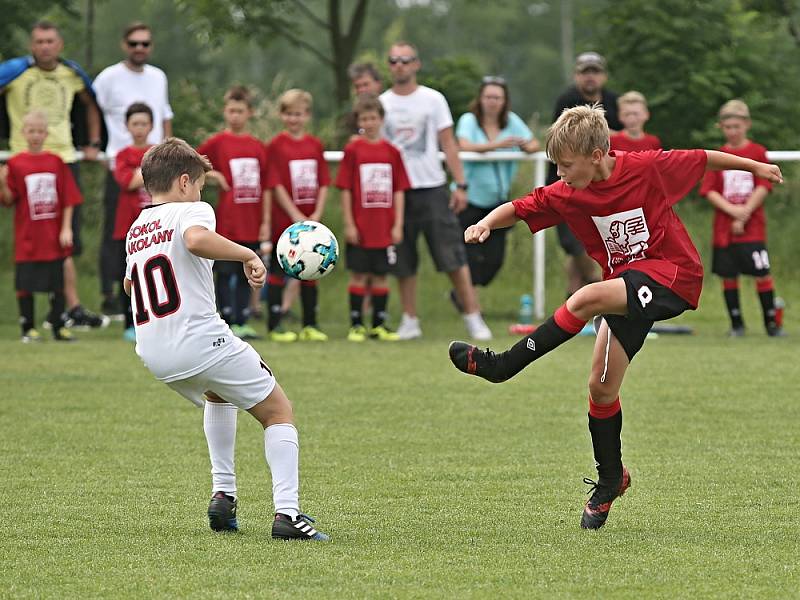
(418, 121)
(117, 87)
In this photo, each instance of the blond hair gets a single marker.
(35, 115)
(579, 130)
(293, 98)
(167, 161)
(734, 109)
(632, 97)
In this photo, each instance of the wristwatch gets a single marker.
(462, 186)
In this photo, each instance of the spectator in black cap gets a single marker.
(590, 78)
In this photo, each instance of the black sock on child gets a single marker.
(356, 303)
(731, 293)
(605, 426)
(380, 299)
(25, 303)
(766, 296)
(309, 293)
(274, 302)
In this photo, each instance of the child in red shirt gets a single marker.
(299, 178)
(133, 197)
(373, 179)
(740, 228)
(633, 114)
(620, 208)
(243, 209)
(44, 191)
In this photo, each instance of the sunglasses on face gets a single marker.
(137, 43)
(404, 60)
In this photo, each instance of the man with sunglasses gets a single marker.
(119, 86)
(418, 121)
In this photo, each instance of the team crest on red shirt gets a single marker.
(625, 236)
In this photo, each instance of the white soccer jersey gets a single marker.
(178, 330)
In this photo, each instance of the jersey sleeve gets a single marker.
(123, 170)
(678, 171)
(197, 214)
(324, 174)
(712, 182)
(536, 210)
(273, 166)
(12, 183)
(207, 150)
(70, 192)
(400, 181)
(344, 177)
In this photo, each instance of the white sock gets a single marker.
(283, 457)
(219, 424)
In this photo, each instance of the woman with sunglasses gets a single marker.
(489, 125)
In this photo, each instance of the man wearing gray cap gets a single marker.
(590, 79)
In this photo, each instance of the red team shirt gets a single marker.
(242, 159)
(622, 141)
(627, 221)
(300, 167)
(736, 187)
(130, 202)
(373, 172)
(42, 187)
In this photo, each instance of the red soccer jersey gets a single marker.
(130, 202)
(736, 187)
(373, 172)
(41, 186)
(627, 221)
(242, 159)
(300, 167)
(622, 141)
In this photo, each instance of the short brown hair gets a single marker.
(358, 70)
(368, 104)
(46, 26)
(294, 97)
(139, 108)
(579, 130)
(238, 93)
(167, 161)
(135, 26)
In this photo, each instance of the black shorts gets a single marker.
(484, 259)
(40, 276)
(747, 258)
(234, 267)
(568, 241)
(77, 246)
(427, 211)
(372, 261)
(648, 302)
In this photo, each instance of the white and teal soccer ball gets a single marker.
(307, 250)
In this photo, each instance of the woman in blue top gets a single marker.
(490, 125)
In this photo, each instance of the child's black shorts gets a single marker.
(40, 276)
(375, 261)
(746, 258)
(648, 302)
(234, 267)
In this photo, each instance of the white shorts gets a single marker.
(241, 378)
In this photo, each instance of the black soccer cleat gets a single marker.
(472, 361)
(597, 507)
(222, 512)
(283, 528)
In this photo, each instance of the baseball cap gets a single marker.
(589, 60)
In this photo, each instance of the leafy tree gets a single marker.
(455, 77)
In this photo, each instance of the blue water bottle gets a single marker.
(525, 309)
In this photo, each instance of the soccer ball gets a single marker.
(307, 250)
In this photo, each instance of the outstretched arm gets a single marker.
(503, 216)
(722, 161)
(205, 243)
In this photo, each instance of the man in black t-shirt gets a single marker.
(590, 79)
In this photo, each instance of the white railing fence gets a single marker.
(539, 176)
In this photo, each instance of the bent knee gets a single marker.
(602, 392)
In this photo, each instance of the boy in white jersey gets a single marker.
(183, 341)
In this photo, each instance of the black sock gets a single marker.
(356, 304)
(25, 303)
(546, 337)
(274, 301)
(767, 299)
(241, 299)
(309, 294)
(732, 303)
(380, 298)
(607, 445)
(57, 305)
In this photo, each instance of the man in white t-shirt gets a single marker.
(182, 340)
(117, 87)
(418, 121)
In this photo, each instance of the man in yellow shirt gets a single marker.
(51, 86)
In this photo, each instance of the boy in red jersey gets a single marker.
(373, 179)
(132, 196)
(620, 208)
(243, 210)
(299, 178)
(44, 191)
(740, 229)
(633, 114)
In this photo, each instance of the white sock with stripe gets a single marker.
(219, 425)
(282, 449)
